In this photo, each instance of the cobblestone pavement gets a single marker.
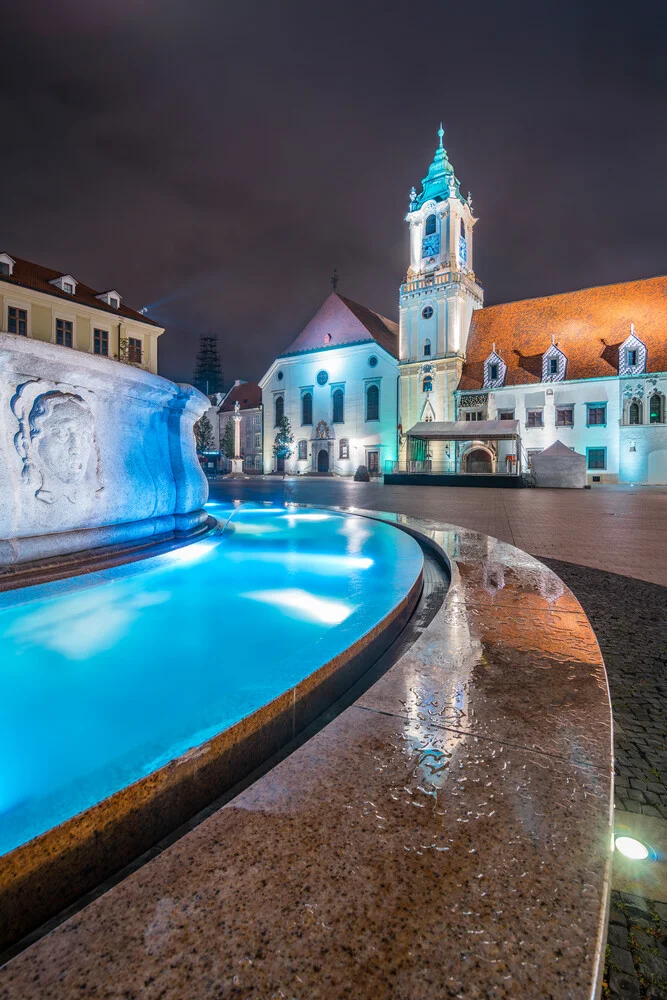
(576, 533)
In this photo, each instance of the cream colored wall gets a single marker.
(40, 322)
(42, 314)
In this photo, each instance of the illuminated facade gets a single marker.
(438, 297)
(42, 304)
(337, 385)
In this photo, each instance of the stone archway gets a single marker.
(478, 460)
(323, 460)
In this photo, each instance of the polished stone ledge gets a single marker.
(447, 835)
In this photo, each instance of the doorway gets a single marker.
(479, 460)
(323, 460)
(280, 463)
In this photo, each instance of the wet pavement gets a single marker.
(447, 835)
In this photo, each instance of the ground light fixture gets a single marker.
(631, 848)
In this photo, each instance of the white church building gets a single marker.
(337, 383)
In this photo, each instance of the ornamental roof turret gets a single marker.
(440, 182)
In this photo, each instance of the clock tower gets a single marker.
(438, 296)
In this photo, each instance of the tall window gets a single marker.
(101, 342)
(307, 408)
(280, 409)
(64, 332)
(17, 321)
(338, 399)
(372, 403)
(655, 409)
(596, 413)
(303, 450)
(634, 413)
(134, 350)
(344, 448)
(427, 384)
(431, 225)
(427, 348)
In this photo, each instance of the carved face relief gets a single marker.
(64, 438)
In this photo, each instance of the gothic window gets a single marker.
(280, 409)
(634, 413)
(427, 349)
(372, 403)
(307, 408)
(655, 409)
(303, 450)
(431, 225)
(427, 384)
(338, 400)
(343, 448)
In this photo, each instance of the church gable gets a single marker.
(587, 326)
(340, 322)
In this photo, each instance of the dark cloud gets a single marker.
(219, 160)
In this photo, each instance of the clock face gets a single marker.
(431, 245)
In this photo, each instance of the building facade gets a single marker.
(249, 397)
(437, 299)
(40, 303)
(587, 368)
(337, 384)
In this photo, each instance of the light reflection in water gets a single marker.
(108, 676)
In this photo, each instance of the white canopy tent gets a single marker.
(559, 467)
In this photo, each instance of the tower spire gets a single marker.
(441, 133)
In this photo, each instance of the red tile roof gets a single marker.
(588, 326)
(29, 275)
(248, 394)
(339, 322)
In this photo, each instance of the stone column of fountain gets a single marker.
(237, 461)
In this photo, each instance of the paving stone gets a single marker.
(650, 811)
(652, 967)
(618, 936)
(617, 916)
(641, 938)
(661, 910)
(621, 960)
(622, 987)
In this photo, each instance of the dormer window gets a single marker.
(66, 283)
(6, 265)
(494, 371)
(632, 355)
(112, 298)
(554, 365)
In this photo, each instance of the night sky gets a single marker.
(217, 160)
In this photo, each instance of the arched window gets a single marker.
(343, 448)
(427, 384)
(427, 348)
(303, 450)
(280, 409)
(430, 226)
(372, 403)
(463, 230)
(307, 408)
(655, 409)
(634, 413)
(338, 400)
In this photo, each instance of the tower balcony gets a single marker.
(447, 277)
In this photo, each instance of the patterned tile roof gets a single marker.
(29, 275)
(248, 394)
(588, 326)
(340, 322)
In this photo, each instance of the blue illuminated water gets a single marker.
(107, 677)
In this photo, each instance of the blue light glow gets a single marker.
(108, 676)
